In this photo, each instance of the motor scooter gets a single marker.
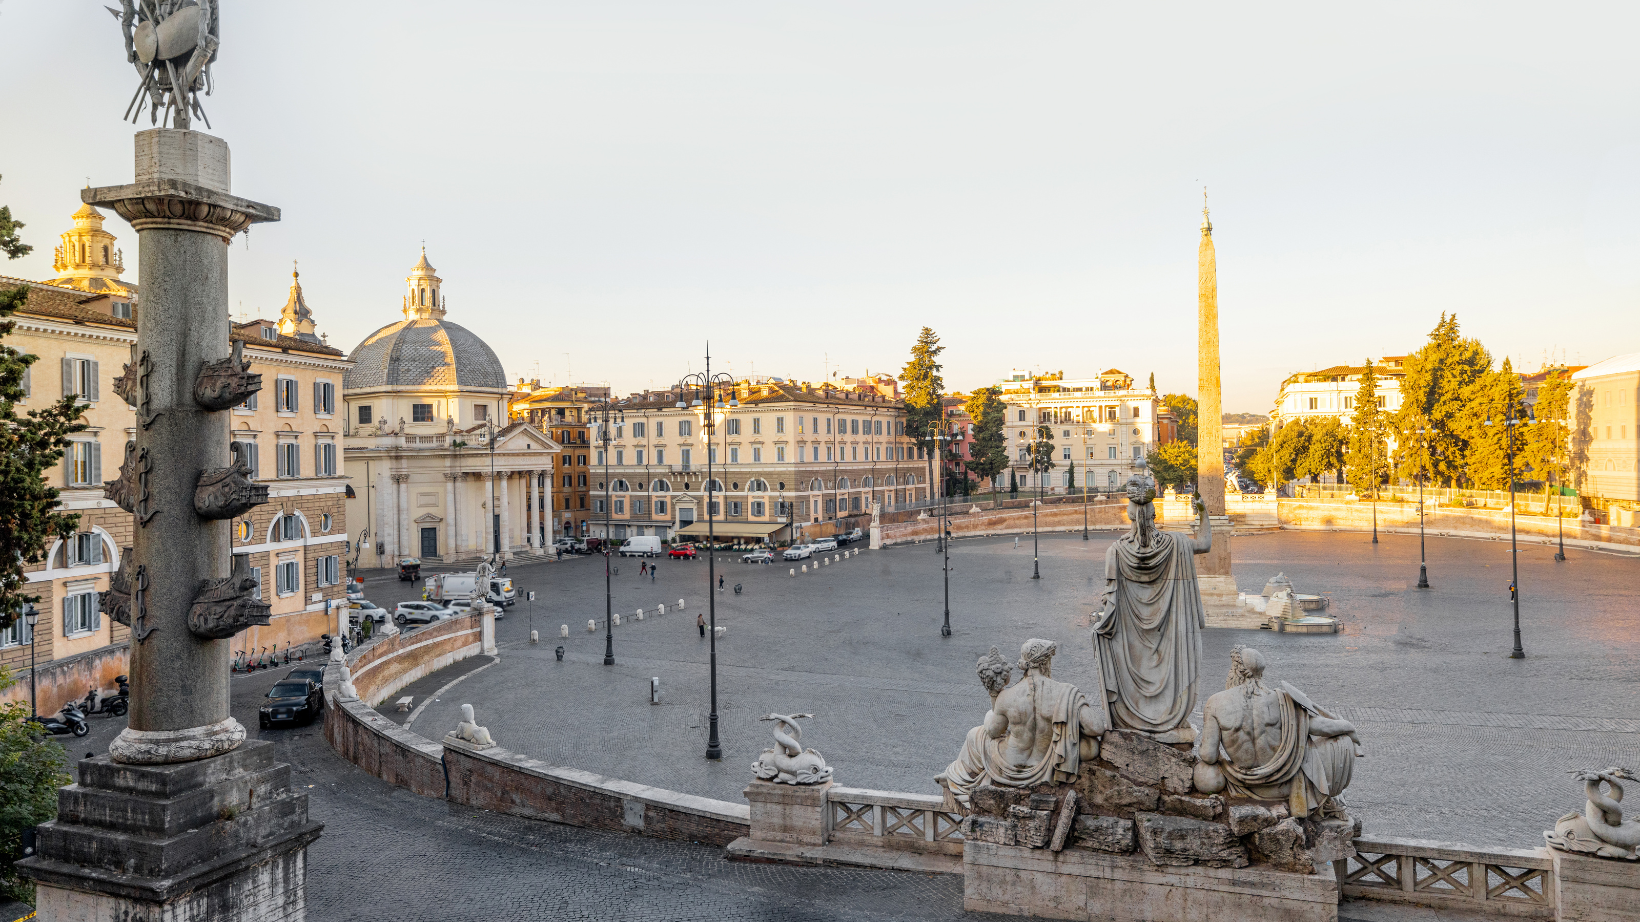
(69, 721)
(97, 703)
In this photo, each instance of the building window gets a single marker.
(639, 507)
(324, 522)
(324, 460)
(329, 570)
(829, 449)
(84, 464)
(365, 414)
(285, 395)
(289, 459)
(660, 507)
(686, 515)
(598, 458)
(757, 508)
(686, 454)
(716, 508)
(780, 425)
(81, 378)
(734, 455)
(581, 481)
(324, 398)
(1067, 455)
(660, 454)
(481, 412)
(757, 425)
(1138, 452)
(620, 507)
(598, 505)
(734, 427)
(685, 427)
(780, 453)
(620, 456)
(757, 455)
(81, 614)
(270, 333)
(1313, 402)
(122, 310)
(734, 507)
(15, 635)
(421, 412)
(637, 456)
(1111, 456)
(828, 425)
(1021, 415)
(637, 430)
(287, 577)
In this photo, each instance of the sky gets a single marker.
(606, 187)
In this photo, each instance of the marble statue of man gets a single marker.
(1276, 743)
(1148, 632)
(1038, 732)
(966, 773)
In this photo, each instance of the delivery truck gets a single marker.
(447, 587)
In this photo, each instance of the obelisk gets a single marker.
(1218, 587)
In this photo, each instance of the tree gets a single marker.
(1172, 465)
(988, 454)
(1070, 477)
(1041, 452)
(1494, 399)
(1438, 383)
(1324, 452)
(1013, 484)
(923, 387)
(1367, 460)
(1547, 438)
(30, 445)
(1184, 410)
(32, 768)
(1253, 446)
(1280, 458)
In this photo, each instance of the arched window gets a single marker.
(911, 480)
(105, 254)
(889, 481)
(621, 486)
(866, 484)
(716, 486)
(816, 485)
(842, 483)
(660, 486)
(757, 486)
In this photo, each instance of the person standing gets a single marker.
(643, 569)
(720, 582)
(700, 622)
(652, 568)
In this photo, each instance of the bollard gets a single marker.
(535, 637)
(617, 621)
(825, 561)
(661, 610)
(655, 689)
(639, 613)
(563, 630)
(805, 568)
(680, 605)
(592, 625)
(792, 571)
(560, 654)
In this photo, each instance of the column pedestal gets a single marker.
(1593, 889)
(791, 813)
(223, 839)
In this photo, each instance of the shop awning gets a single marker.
(731, 529)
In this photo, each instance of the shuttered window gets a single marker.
(80, 377)
(290, 459)
(81, 614)
(324, 459)
(247, 453)
(83, 464)
(324, 398)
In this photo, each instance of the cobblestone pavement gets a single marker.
(1463, 744)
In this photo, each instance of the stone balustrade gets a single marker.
(891, 819)
(1498, 882)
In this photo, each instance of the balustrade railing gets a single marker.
(891, 819)
(1504, 881)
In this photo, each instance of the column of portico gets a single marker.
(531, 508)
(452, 529)
(380, 531)
(506, 517)
(401, 513)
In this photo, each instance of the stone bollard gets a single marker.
(805, 568)
(563, 630)
(617, 621)
(592, 625)
(793, 571)
(535, 637)
(825, 561)
(640, 614)
(680, 605)
(661, 610)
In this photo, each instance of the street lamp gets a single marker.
(31, 617)
(607, 412)
(1423, 474)
(1510, 422)
(937, 435)
(1039, 467)
(495, 510)
(707, 384)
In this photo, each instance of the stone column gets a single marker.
(452, 530)
(1213, 576)
(401, 516)
(381, 533)
(531, 508)
(182, 764)
(506, 517)
(489, 513)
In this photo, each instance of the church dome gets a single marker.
(424, 349)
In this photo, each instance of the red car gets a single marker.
(682, 550)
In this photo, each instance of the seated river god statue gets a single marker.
(1148, 630)
(1274, 743)
(1038, 730)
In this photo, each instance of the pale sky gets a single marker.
(808, 184)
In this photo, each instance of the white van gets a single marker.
(825, 544)
(642, 546)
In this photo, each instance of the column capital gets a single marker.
(178, 205)
(401, 478)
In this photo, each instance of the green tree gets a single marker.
(1494, 399)
(989, 451)
(1184, 410)
(1070, 477)
(1013, 483)
(1040, 457)
(1281, 458)
(1172, 465)
(1324, 453)
(1247, 462)
(1368, 462)
(32, 768)
(923, 387)
(1547, 439)
(30, 445)
(1435, 390)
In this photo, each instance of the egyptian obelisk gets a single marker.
(1218, 587)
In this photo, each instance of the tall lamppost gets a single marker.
(607, 412)
(1423, 474)
(1510, 422)
(1560, 519)
(707, 384)
(1039, 468)
(495, 510)
(937, 436)
(31, 617)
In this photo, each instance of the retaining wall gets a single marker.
(61, 681)
(1051, 518)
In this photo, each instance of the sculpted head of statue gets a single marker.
(1037, 655)
(1141, 490)
(995, 671)
(1246, 670)
(1141, 494)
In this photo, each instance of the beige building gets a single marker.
(297, 543)
(561, 412)
(1105, 425)
(789, 457)
(421, 402)
(1331, 392)
(1605, 424)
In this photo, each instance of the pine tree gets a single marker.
(1367, 460)
(1013, 483)
(923, 387)
(1184, 410)
(1546, 439)
(1493, 400)
(1438, 382)
(1324, 449)
(1041, 452)
(989, 451)
(30, 445)
(1070, 477)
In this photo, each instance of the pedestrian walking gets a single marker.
(1016, 542)
(652, 568)
(643, 569)
(720, 582)
(700, 622)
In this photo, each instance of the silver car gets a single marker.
(798, 552)
(421, 613)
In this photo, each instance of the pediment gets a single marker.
(427, 518)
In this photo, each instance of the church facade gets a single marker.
(438, 470)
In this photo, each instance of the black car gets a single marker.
(292, 702)
(305, 674)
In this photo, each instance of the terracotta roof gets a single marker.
(251, 334)
(65, 304)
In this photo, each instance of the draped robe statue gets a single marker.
(1148, 635)
(1276, 743)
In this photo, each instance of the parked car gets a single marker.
(682, 550)
(362, 609)
(642, 546)
(355, 592)
(291, 702)
(856, 535)
(824, 544)
(758, 556)
(410, 568)
(798, 552)
(306, 674)
(421, 613)
(568, 545)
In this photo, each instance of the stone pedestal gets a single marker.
(790, 813)
(222, 839)
(486, 632)
(1591, 889)
(876, 537)
(1083, 884)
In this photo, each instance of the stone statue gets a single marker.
(400, 430)
(789, 762)
(346, 690)
(481, 582)
(1148, 631)
(961, 777)
(1599, 829)
(1276, 743)
(449, 424)
(172, 43)
(876, 513)
(1038, 731)
(469, 732)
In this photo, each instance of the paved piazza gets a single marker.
(1463, 744)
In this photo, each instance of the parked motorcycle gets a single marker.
(96, 703)
(70, 720)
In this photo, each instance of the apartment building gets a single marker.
(1105, 424)
(562, 413)
(1331, 392)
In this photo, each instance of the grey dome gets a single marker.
(421, 353)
